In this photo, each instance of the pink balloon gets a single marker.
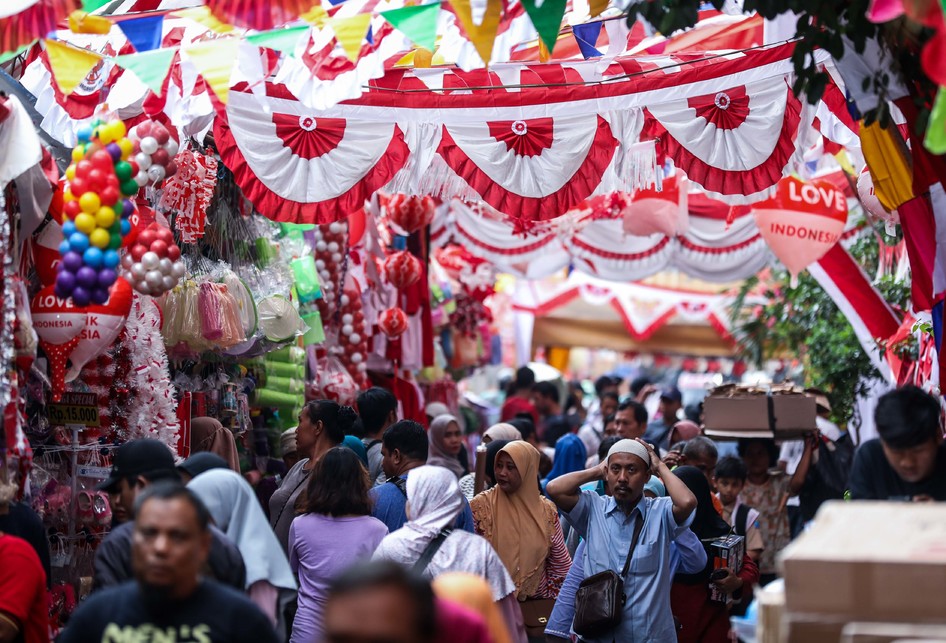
(103, 325)
(56, 320)
(652, 212)
(802, 221)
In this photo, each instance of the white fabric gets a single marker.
(434, 501)
(18, 139)
(236, 511)
(739, 149)
(293, 177)
(630, 446)
(530, 176)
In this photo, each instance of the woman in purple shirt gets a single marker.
(336, 530)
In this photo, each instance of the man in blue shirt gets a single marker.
(607, 525)
(404, 447)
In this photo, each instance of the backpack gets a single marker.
(740, 521)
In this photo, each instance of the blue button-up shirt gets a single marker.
(608, 532)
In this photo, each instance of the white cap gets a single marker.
(630, 446)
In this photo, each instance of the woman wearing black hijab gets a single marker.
(700, 619)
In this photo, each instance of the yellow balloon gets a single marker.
(71, 172)
(90, 202)
(127, 147)
(78, 153)
(105, 134)
(105, 217)
(67, 195)
(100, 238)
(85, 223)
(118, 130)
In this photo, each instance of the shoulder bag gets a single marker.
(432, 547)
(599, 601)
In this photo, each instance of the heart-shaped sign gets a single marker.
(103, 325)
(802, 221)
(59, 324)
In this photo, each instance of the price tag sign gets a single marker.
(75, 408)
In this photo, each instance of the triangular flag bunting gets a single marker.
(7, 55)
(151, 67)
(69, 65)
(350, 33)
(315, 16)
(214, 59)
(597, 7)
(482, 35)
(417, 23)
(91, 5)
(143, 33)
(202, 15)
(283, 40)
(546, 19)
(586, 36)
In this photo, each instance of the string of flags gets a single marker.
(214, 59)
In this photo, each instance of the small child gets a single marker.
(731, 476)
(769, 491)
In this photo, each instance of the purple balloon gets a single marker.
(87, 277)
(115, 151)
(100, 296)
(128, 208)
(65, 283)
(81, 296)
(107, 277)
(72, 261)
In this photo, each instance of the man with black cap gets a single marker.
(671, 401)
(136, 464)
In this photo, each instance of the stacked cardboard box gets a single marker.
(783, 412)
(865, 562)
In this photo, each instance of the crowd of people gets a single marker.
(384, 530)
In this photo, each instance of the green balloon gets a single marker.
(129, 187)
(116, 228)
(116, 242)
(123, 171)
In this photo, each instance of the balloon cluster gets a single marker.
(330, 249)
(153, 264)
(96, 211)
(154, 149)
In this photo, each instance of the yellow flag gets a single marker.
(202, 15)
(350, 32)
(214, 59)
(484, 34)
(69, 65)
(82, 22)
(315, 16)
(597, 6)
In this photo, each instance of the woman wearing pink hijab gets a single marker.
(207, 434)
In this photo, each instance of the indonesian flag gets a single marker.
(864, 307)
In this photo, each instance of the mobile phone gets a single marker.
(718, 574)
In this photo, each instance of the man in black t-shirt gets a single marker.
(169, 601)
(908, 461)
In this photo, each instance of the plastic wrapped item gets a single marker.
(208, 307)
(334, 382)
(190, 317)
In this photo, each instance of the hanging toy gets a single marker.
(402, 269)
(153, 264)
(95, 212)
(393, 322)
(154, 150)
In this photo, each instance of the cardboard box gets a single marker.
(726, 552)
(747, 415)
(812, 628)
(890, 632)
(870, 561)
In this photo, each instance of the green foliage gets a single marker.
(803, 322)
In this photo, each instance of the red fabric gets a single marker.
(406, 393)
(23, 588)
(458, 624)
(725, 110)
(919, 232)
(701, 620)
(513, 406)
(309, 137)
(526, 138)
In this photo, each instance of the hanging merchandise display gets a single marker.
(153, 264)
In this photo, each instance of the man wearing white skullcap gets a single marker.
(627, 521)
